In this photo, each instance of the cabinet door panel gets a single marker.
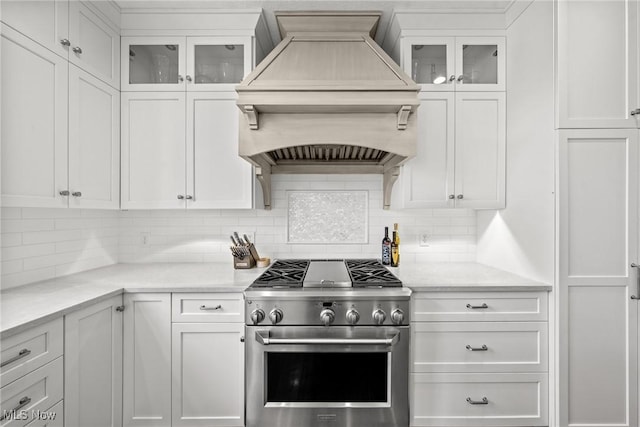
(93, 365)
(208, 379)
(217, 63)
(44, 21)
(94, 141)
(34, 123)
(480, 64)
(428, 178)
(147, 360)
(599, 186)
(597, 51)
(430, 61)
(217, 177)
(480, 150)
(99, 42)
(153, 150)
(153, 63)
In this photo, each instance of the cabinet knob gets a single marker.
(452, 78)
(64, 193)
(189, 197)
(460, 78)
(76, 194)
(452, 196)
(77, 49)
(635, 112)
(65, 42)
(180, 197)
(180, 78)
(189, 78)
(460, 196)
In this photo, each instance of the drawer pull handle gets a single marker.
(205, 308)
(483, 348)
(23, 353)
(484, 305)
(484, 401)
(21, 404)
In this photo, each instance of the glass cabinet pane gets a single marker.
(153, 64)
(479, 64)
(218, 63)
(429, 63)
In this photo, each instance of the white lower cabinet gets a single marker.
(479, 359)
(208, 374)
(93, 365)
(183, 373)
(147, 360)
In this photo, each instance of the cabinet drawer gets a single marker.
(36, 391)
(28, 350)
(479, 306)
(207, 307)
(457, 400)
(52, 417)
(479, 347)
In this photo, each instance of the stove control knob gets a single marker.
(397, 316)
(327, 316)
(352, 317)
(379, 317)
(275, 316)
(257, 316)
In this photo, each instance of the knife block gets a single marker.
(248, 261)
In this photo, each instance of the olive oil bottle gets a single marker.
(395, 247)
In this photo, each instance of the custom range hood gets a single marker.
(327, 100)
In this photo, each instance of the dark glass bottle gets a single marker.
(386, 248)
(395, 250)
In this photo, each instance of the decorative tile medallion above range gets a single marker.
(328, 217)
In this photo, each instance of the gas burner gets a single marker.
(283, 273)
(370, 273)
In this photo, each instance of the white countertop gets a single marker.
(30, 305)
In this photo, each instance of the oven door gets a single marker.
(336, 376)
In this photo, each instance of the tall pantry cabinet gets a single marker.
(179, 117)
(598, 197)
(60, 105)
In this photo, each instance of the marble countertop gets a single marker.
(30, 305)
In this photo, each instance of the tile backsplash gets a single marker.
(39, 244)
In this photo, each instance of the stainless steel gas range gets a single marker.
(327, 344)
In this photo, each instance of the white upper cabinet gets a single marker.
(94, 45)
(456, 63)
(597, 63)
(184, 63)
(45, 21)
(34, 123)
(94, 142)
(72, 30)
(460, 159)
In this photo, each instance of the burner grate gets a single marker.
(371, 272)
(283, 273)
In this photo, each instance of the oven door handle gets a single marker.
(263, 338)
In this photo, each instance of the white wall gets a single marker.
(203, 236)
(39, 244)
(520, 238)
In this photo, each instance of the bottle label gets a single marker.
(395, 256)
(386, 254)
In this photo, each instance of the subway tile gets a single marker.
(10, 213)
(22, 225)
(13, 266)
(51, 236)
(26, 251)
(11, 239)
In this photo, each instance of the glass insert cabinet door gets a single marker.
(184, 63)
(217, 62)
(153, 63)
(480, 63)
(456, 63)
(431, 63)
